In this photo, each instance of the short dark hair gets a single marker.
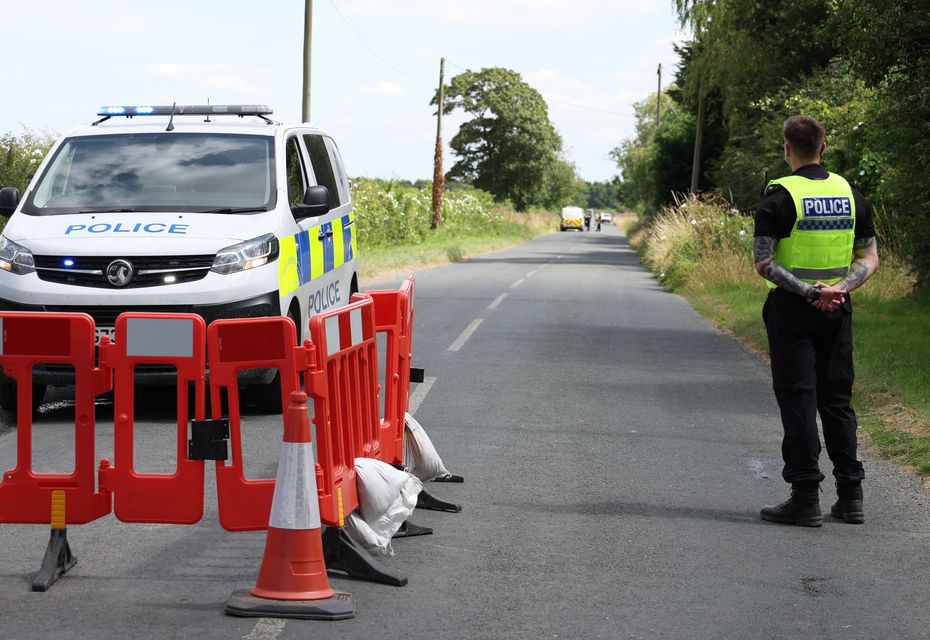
(805, 135)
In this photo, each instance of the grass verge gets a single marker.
(378, 263)
(892, 344)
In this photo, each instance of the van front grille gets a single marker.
(148, 271)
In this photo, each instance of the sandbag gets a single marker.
(420, 457)
(387, 497)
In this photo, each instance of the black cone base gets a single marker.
(244, 605)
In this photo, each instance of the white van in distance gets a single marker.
(215, 210)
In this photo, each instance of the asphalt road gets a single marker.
(616, 450)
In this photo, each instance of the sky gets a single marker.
(375, 66)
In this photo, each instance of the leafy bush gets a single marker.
(388, 213)
(21, 155)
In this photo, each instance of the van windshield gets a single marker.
(188, 172)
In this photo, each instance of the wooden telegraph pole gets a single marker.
(438, 178)
(698, 136)
(308, 32)
(659, 97)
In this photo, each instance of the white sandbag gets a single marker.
(387, 497)
(420, 457)
(363, 534)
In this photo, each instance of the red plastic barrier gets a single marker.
(155, 339)
(342, 380)
(52, 338)
(253, 343)
(394, 317)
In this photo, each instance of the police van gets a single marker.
(216, 210)
(571, 218)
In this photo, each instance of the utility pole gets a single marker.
(698, 135)
(308, 33)
(438, 177)
(659, 97)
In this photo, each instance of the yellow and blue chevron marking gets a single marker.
(309, 254)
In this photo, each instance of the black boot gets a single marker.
(802, 508)
(849, 505)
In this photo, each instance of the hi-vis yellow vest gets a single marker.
(821, 241)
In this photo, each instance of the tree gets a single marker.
(656, 162)
(561, 186)
(508, 147)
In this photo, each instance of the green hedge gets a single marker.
(390, 214)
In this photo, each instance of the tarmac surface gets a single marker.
(616, 450)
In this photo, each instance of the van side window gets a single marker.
(340, 172)
(322, 167)
(296, 184)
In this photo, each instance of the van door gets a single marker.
(336, 235)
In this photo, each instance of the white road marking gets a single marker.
(497, 301)
(266, 629)
(419, 394)
(518, 283)
(460, 341)
(532, 273)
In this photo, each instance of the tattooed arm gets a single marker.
(865, 262)
(764, 256)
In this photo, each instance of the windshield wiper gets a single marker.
(234, 210)
(108, 211)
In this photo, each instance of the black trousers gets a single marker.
(812, 372)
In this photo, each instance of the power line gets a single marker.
(562, 102)
(369, 47)
(578, 106)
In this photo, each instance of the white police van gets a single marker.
(215, 210)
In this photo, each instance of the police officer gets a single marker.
(814, 243)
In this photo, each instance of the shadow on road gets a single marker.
(644, 510)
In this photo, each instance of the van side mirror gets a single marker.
(316, 203)
(9, 198)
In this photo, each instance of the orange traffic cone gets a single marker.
(292, 582)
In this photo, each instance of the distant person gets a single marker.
(597, 219)
(587, 220)
(814, 244)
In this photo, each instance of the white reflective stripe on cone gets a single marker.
(333, 343)
(296, 504)
(355, 320)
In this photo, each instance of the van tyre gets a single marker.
(8, 395)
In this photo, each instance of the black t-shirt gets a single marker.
(776, 214)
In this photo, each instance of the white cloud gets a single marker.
(16, 73)
(554, 81)
(222, 77)
(382, 89)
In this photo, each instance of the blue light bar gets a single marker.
(187, 110)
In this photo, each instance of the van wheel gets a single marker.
(8, 395)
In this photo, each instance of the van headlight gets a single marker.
(246, 255)
(15, 258)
